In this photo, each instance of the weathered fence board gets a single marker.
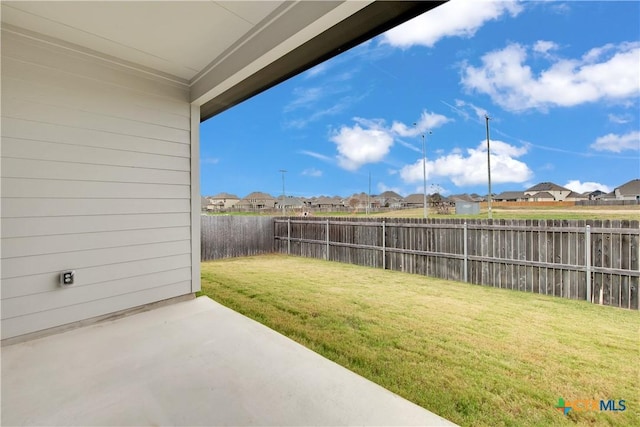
(235, 236)
(540, 256)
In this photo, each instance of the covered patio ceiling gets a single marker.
(224, 51)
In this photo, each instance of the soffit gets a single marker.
(224, 51)
(179, 38)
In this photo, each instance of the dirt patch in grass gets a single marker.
(475, 355)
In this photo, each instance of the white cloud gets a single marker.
(470, 168)
(461, 108)
(456, 18)
(304, 97)
(369, 141)
(606, 73)
(560, 8)
(337, 108)
(321, 101)
(409, 146)
(316, 173)
(316, 156)
(366, 142)
(427, 122)
(620, 119)
(583, 187)
(617, 143)
(500, 148)
(309, 97)
(544, 46)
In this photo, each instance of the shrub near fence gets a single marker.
(234, 236)
(587, 260)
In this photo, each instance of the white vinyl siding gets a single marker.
(96, 177)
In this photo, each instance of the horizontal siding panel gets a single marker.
(173, 96)
(46, 319)
(48, 282)
(42, 84)
(25, 130)
(54, 263)
(38, 150)
(96, 177)
(50, 113)
(42, 245)
(44, 226)
(19, 187)
(47, 169)
(43, 207)
(72, 295)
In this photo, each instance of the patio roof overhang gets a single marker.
(224, 51)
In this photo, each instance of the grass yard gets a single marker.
(472, 354)
(568, 213)
(533, 212)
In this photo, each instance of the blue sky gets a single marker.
(560, 81)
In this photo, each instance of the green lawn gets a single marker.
(472, 354)
(567, 213)
(576, 212)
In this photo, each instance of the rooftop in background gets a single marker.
(224, 195)
(547, 186)
(631, 188)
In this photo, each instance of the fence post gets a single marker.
(587, 259)
(326, 255)
(466, 253)
(288, 236)
(384, 244)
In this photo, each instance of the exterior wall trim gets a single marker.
(195, 198)
(93, 320)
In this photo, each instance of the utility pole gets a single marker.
(488, 167)
(282, 171)
(424, 174)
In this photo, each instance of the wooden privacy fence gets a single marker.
(233, 236)
(588, 260)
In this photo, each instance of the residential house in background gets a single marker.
(324, 202)
(511, 196)
(389, 199)
(290, 203)
(222, 201)
(628, 191)
(392, 200)
(594, 195)
(576, 197)
(542, 196)
(257, 200)
(415, 200)
(557, 192)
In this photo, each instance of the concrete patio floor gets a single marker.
(190, 363)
